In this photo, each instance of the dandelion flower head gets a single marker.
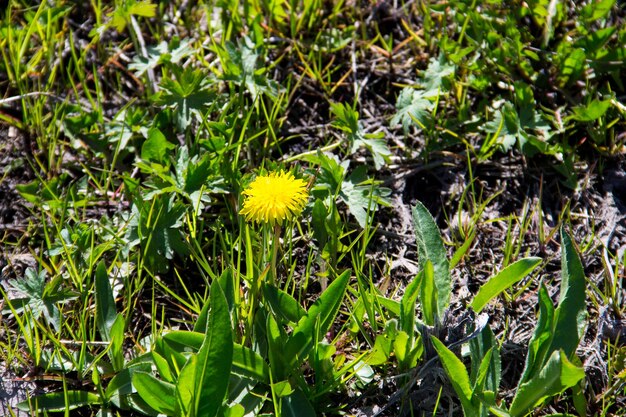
(274, 197)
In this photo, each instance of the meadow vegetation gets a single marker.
(298, 208)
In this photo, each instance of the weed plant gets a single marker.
(203, 192)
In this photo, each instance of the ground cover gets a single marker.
(312, 208)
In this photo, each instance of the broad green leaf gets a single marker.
(597, 9)
(297, 405)
(215, 356)
(400, 346)
(407, 307)
(246, 362)
(157, 394)
(319, 318)
(116, 351)
(105, 304)
(162, 367)
(457, 375)
(282, 304)
(156, 148)
(186, 387)
(503, 280)
(541, 339)
(571, 313)
(413, 108)
(438, 69)
(318, 221)
(279, 362)
(572, 67)
(555, 377)
(430, 248)
(429, 294)
(282, 389)
(381, 351)
(143, 8)
(479, 346)
(56, 401)
(592, 111)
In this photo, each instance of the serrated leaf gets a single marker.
(412, 108)
(143, 8)
(438, 69)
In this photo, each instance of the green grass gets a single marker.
(140, 124)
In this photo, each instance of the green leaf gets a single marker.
(457, 375)
(105, 303)
(503, 280)
(362, 194)
(156, 393)
(381, 351)
(246, 362)
(282, 304)
(592, 111)
(597, 9)
(297, 405)
(407, 306)
(429, 295)
(571, 314)
(413, 108)
(143, 8)
(188, 95)
(554, 378)
(275, 350)
(437, 71)
(430, 248)
(541, 339)
(479, 346)
(572, 67)
(56, 401)
(215, 356)
(319, 318)
(156, 148)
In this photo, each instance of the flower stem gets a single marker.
(275, 242)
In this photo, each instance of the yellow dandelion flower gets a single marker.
(274, 197)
